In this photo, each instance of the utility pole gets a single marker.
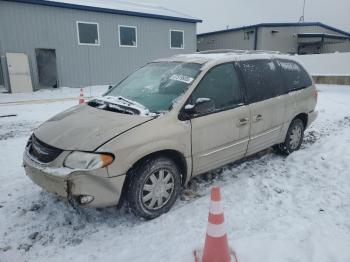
(302, 18)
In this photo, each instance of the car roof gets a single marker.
(221, 56)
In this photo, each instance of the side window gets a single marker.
(221, 84)
(261, 78)
(176, 39)
(127, 36)
(295, 76)
(88, 33)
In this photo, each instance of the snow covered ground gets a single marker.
(52, 93)
(293, 208)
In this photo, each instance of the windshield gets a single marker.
(156, 85)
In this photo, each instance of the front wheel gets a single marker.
(294, 138)
(153, 187)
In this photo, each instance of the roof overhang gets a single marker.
(253, 27)
(77, 6)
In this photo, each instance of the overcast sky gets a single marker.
(217, 14)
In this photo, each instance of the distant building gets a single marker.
(85, 42)
(293, 38)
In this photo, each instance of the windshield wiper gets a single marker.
(104, 105)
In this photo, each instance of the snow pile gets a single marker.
(277, 209)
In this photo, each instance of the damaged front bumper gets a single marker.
(97, 186)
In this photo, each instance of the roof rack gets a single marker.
(234, 51)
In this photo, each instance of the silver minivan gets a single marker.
(169, 121)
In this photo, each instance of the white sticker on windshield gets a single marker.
(182, 78)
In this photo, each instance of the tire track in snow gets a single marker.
(43, 220)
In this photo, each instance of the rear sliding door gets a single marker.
(264, 93)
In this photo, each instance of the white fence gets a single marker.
(335, 64)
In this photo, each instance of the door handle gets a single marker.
(243, 121)
(257, 118)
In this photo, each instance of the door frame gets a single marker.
(242, 106)
(36, 50)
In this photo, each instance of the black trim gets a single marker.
(105, 10)
(256, 38)
(43, 152)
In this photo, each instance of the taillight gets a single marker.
(315, 93)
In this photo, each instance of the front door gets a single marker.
(267, 103)
(220, 135)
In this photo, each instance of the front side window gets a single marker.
(222, 86)
(176, 39)
(156, 86)
(261, 78)
(295, 77)
(88, 33)
(127, 36)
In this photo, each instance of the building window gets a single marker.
(127, 36)
(88, 33)
(247, 34)
(177, 39)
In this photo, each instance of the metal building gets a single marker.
(293, 38)
(85, 42)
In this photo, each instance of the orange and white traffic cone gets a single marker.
(81, 97)
(216, 247)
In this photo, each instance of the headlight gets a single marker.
(89, 161)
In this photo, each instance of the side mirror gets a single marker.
(110, 87)
(201, 106)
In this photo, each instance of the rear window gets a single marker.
(262, 79)
(295, 77)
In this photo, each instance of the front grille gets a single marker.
(43, 152)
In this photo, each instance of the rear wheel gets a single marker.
(153, 187)
(294, 138)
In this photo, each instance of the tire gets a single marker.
(148, 187)
(294, 138)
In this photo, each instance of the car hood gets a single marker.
(85, 128)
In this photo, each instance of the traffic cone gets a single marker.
(81, 97)
(216, 247)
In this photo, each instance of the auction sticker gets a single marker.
(182, 78)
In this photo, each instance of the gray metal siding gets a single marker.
(339, 47)
(286, 40)
(228, 40)
(27, 26)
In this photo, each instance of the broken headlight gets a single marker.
(87, 161)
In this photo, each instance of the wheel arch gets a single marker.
(303, 117)
(174, 155)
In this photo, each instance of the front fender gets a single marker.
(163, 133)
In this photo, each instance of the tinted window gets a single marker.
(127, 36)
(88, 33)
(295, 77)
(221, 84)
(176, 39)
(261, 78)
